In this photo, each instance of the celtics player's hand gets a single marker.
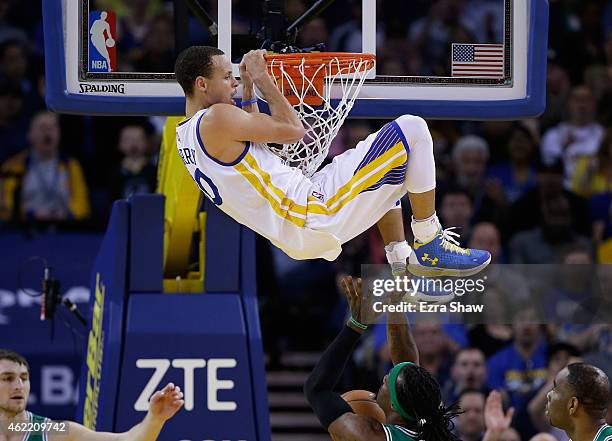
(354, 297)
(166, 402)
(255, 64)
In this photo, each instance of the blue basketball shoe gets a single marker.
(442, 256)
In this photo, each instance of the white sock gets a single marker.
(397, 253)
(425, 230)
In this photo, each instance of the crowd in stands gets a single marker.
(536, 191)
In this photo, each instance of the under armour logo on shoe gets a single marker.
(426, 258)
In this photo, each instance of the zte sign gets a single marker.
(189, 367)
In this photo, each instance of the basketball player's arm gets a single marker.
(353, 427)
(162, 406)
(280, 109)
(248, 90)
(401, 343)
(225, 123)
(330, 408)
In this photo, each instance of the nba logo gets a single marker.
(102, 35)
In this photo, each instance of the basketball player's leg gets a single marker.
(436, 252)
(420, 181)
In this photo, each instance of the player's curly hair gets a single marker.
(419, 394)
(193, 62)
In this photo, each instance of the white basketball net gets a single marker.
(321, 121)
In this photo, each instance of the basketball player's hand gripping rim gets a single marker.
(245, 76)
(255, 65)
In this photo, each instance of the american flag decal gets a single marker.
(477, 60)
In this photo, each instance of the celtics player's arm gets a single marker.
(330, 408)
(353, 427)
(401, 343)
(162, 406)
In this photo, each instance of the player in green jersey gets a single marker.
(17, 424)
(578, 403)
(409, 395)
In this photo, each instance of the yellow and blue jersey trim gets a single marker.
(389, 137)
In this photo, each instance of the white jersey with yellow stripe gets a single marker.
(258, 191)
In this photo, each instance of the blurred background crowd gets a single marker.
(535, 191)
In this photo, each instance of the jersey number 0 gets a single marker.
(208, 187)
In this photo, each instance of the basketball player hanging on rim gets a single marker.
(223, 148)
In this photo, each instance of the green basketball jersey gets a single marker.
(604, 433)
(399, 433)
(39, 435)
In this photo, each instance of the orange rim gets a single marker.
(342, 60)
(308, 71)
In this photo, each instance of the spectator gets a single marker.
(7, 30)
(528, 211)
(456, 207)
(14, 63)
(517, 175)
(599, 76)
(133, 17)
(486, 236)
(545, 244)
(520, 368)
(558, 88)
(469, 372)
(593, 175)
(433, 35)
(347, 36)
(13, 120)
(158, 54)
(583, 46)
(485, 19)
(580, 136)
(491, 333)
(136, 173)
(14, 67)
(496, 134)
(568, 288)
(434, 347)
(601, 210)
(471, 422)
(44, 184)
(314, 32)
(470, 157)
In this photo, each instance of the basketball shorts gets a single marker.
(362, 184)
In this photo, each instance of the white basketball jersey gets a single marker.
(258, 191)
